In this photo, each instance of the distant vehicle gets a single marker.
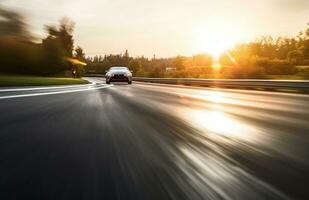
(118, 74)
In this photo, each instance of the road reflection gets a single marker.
(227, 145)
(220, 123)
(217, 178)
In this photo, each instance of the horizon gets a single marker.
(148, 28)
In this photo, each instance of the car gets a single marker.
(118, 74)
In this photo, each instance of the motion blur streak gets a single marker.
(149, 141)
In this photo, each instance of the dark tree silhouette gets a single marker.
(64, 33)
(79, 54)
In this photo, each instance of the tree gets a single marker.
(54, 56)
(64, 33)
(305, 44)
(79, 54)
(58, 45)
(126, 58)
(105, 65)
(201, 60)
(178, 63)
(126, 54)
(135, 65)
(156, 72)
(19, 54)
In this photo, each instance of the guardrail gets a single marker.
(295, 85)
(233, 83)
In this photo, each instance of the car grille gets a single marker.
(119, 76)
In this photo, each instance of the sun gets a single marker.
(214, 40)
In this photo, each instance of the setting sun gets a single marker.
(214, 40)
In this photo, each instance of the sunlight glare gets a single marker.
(216, 65)
(221, 124)
(215, 39)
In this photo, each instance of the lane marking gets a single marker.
(56, 92)
(44, 88)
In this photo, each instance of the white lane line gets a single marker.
(57, 92)
(43, 88)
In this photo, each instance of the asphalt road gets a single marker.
(146, 141)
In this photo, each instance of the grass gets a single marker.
(21, 80)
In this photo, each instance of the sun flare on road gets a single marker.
(216, 123)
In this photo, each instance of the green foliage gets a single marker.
(241, 72)
(276, 66)
(79, 54)
(267, 56)
(63, 33)
(201, 60)
(80, 71)
(98, 64)
(54, 56)
(135, 65)
(156, 72)
(163, 67)
(304, 72)
(178, 63)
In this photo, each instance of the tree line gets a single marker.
(179, 66)
(267, 57)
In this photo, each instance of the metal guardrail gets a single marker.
(232, 83)
(297, 85)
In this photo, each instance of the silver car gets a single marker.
(118, 74)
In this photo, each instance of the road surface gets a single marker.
(147, 141)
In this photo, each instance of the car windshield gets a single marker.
(118, 69)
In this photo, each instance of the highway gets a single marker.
(151, 141)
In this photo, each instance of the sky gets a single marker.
(166, 27)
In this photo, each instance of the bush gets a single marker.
(80, 71)
(306, 73)
(239, 72)
(19, 56)
(156, 72)
(276, 66)
(25, 57)
(54, 57)
(135, 65)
